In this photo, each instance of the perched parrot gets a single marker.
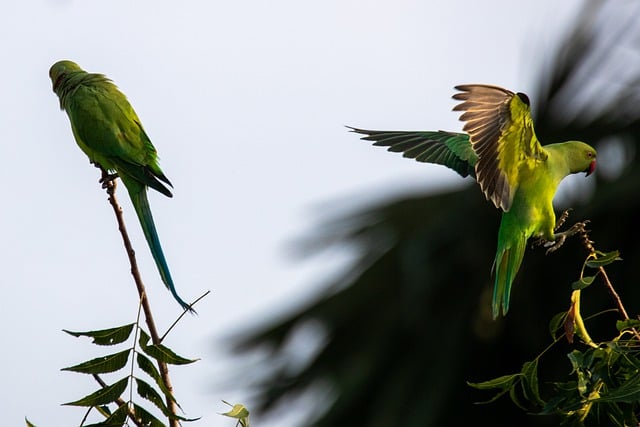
(501, 151)
(109, 131)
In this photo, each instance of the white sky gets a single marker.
(246, 103)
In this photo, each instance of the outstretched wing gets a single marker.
(444, 148)
(501, 132)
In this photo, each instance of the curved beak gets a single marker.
(591, 168)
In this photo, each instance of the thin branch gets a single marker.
(182, 315)
(109, 183)
(588, 244)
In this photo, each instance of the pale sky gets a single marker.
(246, 104)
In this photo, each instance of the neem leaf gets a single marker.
(582, 283)
(604, 259)
(103, 396)
(102, 365)
(109, 336)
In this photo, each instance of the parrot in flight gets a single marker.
(108, 130)
(499, 148)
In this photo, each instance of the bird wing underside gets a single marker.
(439, 147)
(501, 132)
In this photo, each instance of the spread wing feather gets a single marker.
(444, 148)
(501, 133)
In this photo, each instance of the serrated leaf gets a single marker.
(110, 336)
(147, 366)
(604, 259)
(165, 354)
(147, 392)
(102, 365)
(144, 339)
(103, 396)
(147, 418)
(117, 419)
(556, 323)
(583, 282)
(627, 324)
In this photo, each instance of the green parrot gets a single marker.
(501, 151)
(109, 132)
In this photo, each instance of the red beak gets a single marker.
(592, 167)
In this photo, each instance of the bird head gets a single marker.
(581, 157)
(61, 69)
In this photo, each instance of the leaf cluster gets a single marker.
(603, 382)
(141, 355)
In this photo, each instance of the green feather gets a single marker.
(108, 130)
(443, 148)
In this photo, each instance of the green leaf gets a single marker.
(629, 392)
(239, 412)
(556, 324)
(627, 324)
(503, 382)
(604, 259)
(530, 382)
(582, 283)
(165, 354)
(147, 366)
(102, 365)
(161, 352)
(110, 336)
(117, 419)
(29, 424)
(144, 339)
(147, 392)
(146, 417)
(103, 396)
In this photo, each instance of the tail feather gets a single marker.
(141, 205)
(507, 263)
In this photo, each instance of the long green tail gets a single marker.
(141, 205)
(507, 263)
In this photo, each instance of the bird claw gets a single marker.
(578, 227)
(560, 222)
(107, 179)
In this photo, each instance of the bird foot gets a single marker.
(541, 241)
(563, 218)
(107, 178)
(552, 246)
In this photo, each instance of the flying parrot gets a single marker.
(501, 151)
(109, 132)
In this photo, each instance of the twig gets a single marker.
(588, 244)
(182, 315)
(109, 183)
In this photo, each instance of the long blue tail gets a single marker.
(141, 205)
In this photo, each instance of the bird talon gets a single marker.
(578, 227)
(563, 218)
(107, 179)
